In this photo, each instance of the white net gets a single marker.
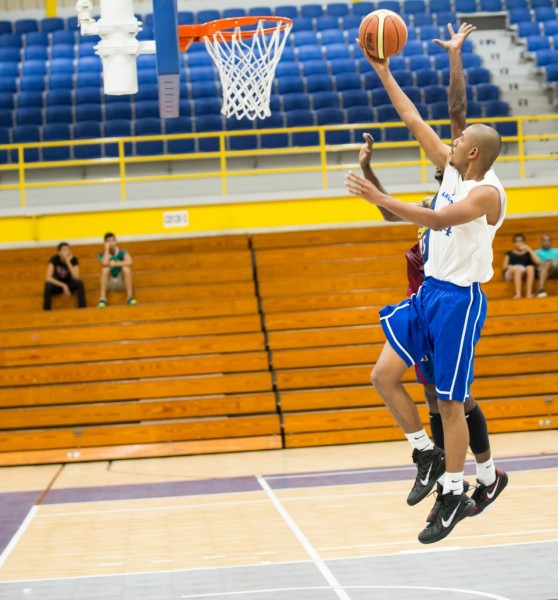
(247, 68)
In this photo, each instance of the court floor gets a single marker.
(322, 523)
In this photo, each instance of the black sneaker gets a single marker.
(453, 508)
(484, 495)
(431, 465)
(439, 491)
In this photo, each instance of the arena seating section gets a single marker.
(51, 82)
(241, 343)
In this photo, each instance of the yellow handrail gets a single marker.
(21, 167)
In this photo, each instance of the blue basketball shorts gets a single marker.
(424, 370)
(443, 321)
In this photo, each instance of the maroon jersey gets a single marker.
(415, 269)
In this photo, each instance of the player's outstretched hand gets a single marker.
(379, 64)
(456, 40)
(365, 154)
(358, 186)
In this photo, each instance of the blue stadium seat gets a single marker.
(273, 140)
(334, 116)
(146, 34)
(305, 38)
(387, 114)
(465, 6)
(469, 59)
(7, 101)
(437, 6)
(6, 118)
(10, 55)
(310, 53)
(403, 77)
(36, 38)
(86, 131)
(86, 49)
(348, 81)
(59, 98)
(477, 75)
(380, 97)
(435, 93)
(204, 16)
(314, 67)
(411, 33)
(303, 24)
(350, 22)
(342, 65)
(233, 13)
(371, 81)
(147, 92)
(491, 5)
(413, 92)
(322, 100)
(487, 91)
(61, 65)
(88, 95)
(545, 13)
(439, 111)
(60, 81)
(33, 67)
(302, 118)
(9, 69)
(420, 61)
(4, 139)
(7, 84)
(364, 114)
(537, 42)
(337, 9)
(118, 110)
(518, 15)
(241, 142)
(413, 7)
(426, 77)
(149, 126)
(201, 74)
(146, 61)
(441, 61)
(35, 53)
(89, 64)
(51, 24)
(290, 85)
(24, 134)
(5, 27)
(319, 83)
(513, 4)
(176, 126)
(497, 108)
(275, 103)
(10, 40)
(65, 38)
(350, 98)
(296, 102)
(146, 76)
(390, 5)
(289, 11)
(311, 11)
(551, 72)
(207, 106)
(432, 49)
(260, 11)
(550, 27)
(55, 133)
(185, 107)
(205, 89)
(363, 8)
(186, 17)
(207, 124)
(339, 51)
(423, 110)
(422, 19)
(546, 57)
(539, 3)
(198, 59)
(25, 26)
(72, 23)
(289, 54)
(430, 32)
(119, 128)
(446, 17)
(413, 47)
(327, 23)
(66, 51)
(88, 79)
(90, 112)
(29, 116)
(29, 99)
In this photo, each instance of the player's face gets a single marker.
(460, 148)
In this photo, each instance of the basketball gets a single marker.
(382, 33)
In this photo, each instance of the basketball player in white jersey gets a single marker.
(444, 319)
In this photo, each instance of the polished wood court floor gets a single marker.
(314, 508)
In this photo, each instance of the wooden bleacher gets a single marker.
(243, 343)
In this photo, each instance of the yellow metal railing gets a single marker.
(223, 155)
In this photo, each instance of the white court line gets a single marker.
(18, 535)
(355, 587)
(305, 543)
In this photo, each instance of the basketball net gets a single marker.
(247, 68)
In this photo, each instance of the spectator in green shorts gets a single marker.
(549, 267)
(116, 271)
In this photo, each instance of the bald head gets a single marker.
(488, 142)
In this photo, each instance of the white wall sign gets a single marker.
(175, 218)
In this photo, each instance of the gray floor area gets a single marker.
(507, 572)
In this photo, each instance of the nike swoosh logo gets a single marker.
(425, 481)
(449, 521)
(490, 495)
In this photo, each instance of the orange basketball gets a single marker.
(382, 33)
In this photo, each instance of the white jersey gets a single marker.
(461, 254)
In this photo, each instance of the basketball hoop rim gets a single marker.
(195, 33)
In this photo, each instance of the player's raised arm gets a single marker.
(435, 149)
(457, 97)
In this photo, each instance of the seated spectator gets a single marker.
(520, 264)
(116, 271)
(549, 259)
(62, 277)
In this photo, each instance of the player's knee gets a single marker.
(381, 377)
(126, 269)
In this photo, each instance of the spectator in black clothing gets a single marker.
(520, 263)
(62, 276)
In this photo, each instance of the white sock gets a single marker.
(486, 472)
(420, 440)
(453, 483)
